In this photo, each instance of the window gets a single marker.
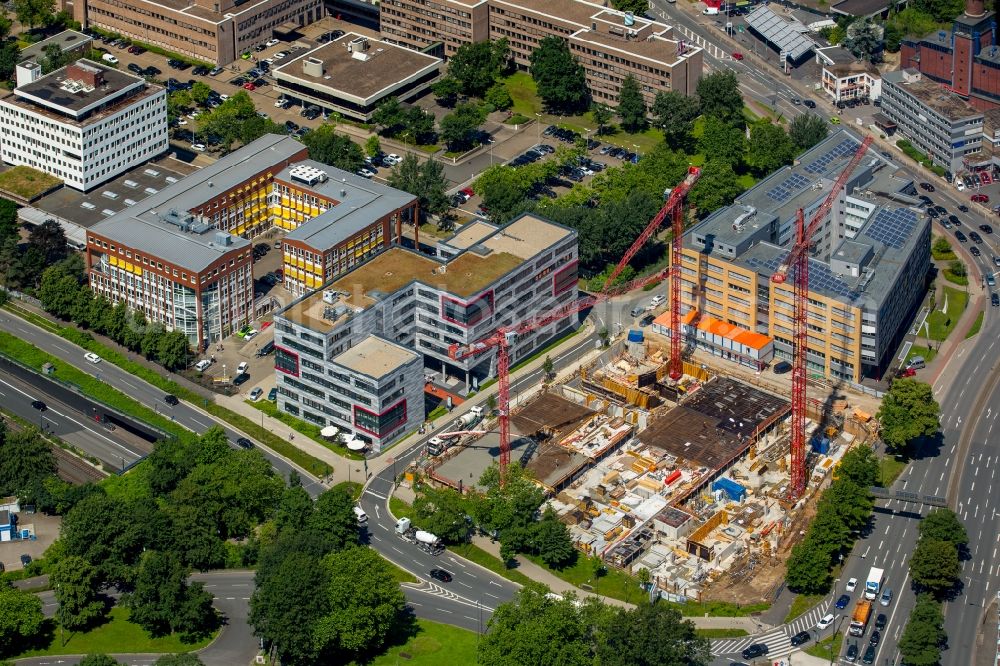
(286, 361)
(467, 314)
(382, 424)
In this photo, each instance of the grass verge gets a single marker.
(307, 462)
(433, 644)
(954, 278)
(916, 350)
(722, 633)
(802, 603)
(399, 508)
(352, 487)
(538, 354)
(828, 648)
(399, 574)
(976, 325)
(117, 635)
(889, 469)
(310, 430)
(487, 561)
(613, 583)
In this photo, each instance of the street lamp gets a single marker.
(836, 630)
(538, 128)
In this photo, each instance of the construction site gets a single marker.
(660, 459)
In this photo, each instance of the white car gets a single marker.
(107, 57)
(92, 357)
(825, 621)
(223, 97)
(269, 61)
(852, 584)
(202, 365)
(200, 147)
(657, 300)
(367, 173)
(242, 368)
(181, 122)
(272, 42)
(281, 104)
(393, 158)
(250, 334)
(280, 54)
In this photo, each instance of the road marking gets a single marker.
(201, 423)
(465, 584)
(492, 595)
(375, 494)
(493, 582)
(397, 550)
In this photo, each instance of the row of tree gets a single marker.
(22, 264)
(934, 568)
(65, 294)
(537, 628)
(844, 508)
(234, 121)
(908, 414)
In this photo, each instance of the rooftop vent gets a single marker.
(330, 296)
(312, 67)
(740, 222)
(358, 48)
(629, 19)
(223, 238)
(309, 175)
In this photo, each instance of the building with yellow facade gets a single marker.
(867, 274)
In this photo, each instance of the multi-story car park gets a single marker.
(609, 44)
(208, 30)
(353, 75)
(337, 220)
(84, 123)
(491, 277)
(867, 274)
(938, 122)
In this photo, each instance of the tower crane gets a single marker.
(673, 206)
(797, 263)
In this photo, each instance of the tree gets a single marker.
(498, 96)
(373, 147)
(457, 127)
(334, 519)
(944, 525)
(444, 512)
(173, 350)
(864, 39)
(958, 269)
(446, 90)
(388, 115)
(504, 191)
(548, 366)
(9, 54)
(722, 142)
(807, 130)
(920, 644)
(552, 541)
(33, 13)
(769, 147)
(720, 97)
(163, 602)
(99, 660)
(8, 219)
(535, 629)
(560, 79)
(674, 113)
(107, 533)
(908, 412)
(477, 65)
(77, 588)
(940, 245)
(940, 10)
(363, 604)
(717, 187)
(295, 508)
(808, 569)
(427, 181)
(25, 459)
(860, 466)
(20, 617)
(602, 116)
(185, 659)
(53, 57)
(507, 505)
(638, 7)
(631, 105)
(200, 92)
(50, 240)
(851, 502)
(934, 565)
(652, 634)
(327, 146)
(287, 603)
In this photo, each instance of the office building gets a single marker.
(867, 273)
(336, 221)
(966, 58)
(438, 27)
(482, 278)
(846, 79)
(936, 121)
(209, 30)
(84, 123)
(353, 75)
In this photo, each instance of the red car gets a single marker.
(468, 193)
(737, 55)
(249, 86)
(980, 198)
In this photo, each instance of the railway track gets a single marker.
(72, 469)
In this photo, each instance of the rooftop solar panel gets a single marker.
(779, 32)
(892, 226)
(820, 276)
(822, 163)
(788, 187)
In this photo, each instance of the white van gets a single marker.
(710, 11)
(109, 58)
(916, 362)
(360, 514)
(202, 365)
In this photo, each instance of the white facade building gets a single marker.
(85, 123)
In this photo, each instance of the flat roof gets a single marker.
(360, 202)
(933, 95)
(470, 234)
(552, 464)
(779, 32)
(67, 40)
(656, 48)
(550, 413)
(343, 71)
(376, 357)
(861, 7)
(563, 11)
(54, 90)
(145, 224)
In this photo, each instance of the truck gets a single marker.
(859, 621)
(426, 541)
(874, 583)
(471, 417)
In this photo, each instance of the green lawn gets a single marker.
(828, 648)
(523, 91)
(117, 635)
(976, 325)
(399, 508)
(310, 430)
(801, 604)
(889, 470)
(614, 583)
(487, 561)
(722, 633)
(960, 280)
(917, 350)
(942, 323)
(434, 644)
(352, 487)
(400, 574)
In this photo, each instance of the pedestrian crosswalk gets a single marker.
(778, 640)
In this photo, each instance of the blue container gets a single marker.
(733, 490)
(821, 445)
(634, 335)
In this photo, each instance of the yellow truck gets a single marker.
(859, 621)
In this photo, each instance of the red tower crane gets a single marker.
(505, 336)
(673, 206)
(797, 262)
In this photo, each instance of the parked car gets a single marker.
(199, 147)
(272, 395)
(994, 300)
(135, 69)
(25, 560)
(152, 71)
(108, 58)
(272, 42)
(781, 367)
(980, 198)
(256, 393)
(242, 368)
